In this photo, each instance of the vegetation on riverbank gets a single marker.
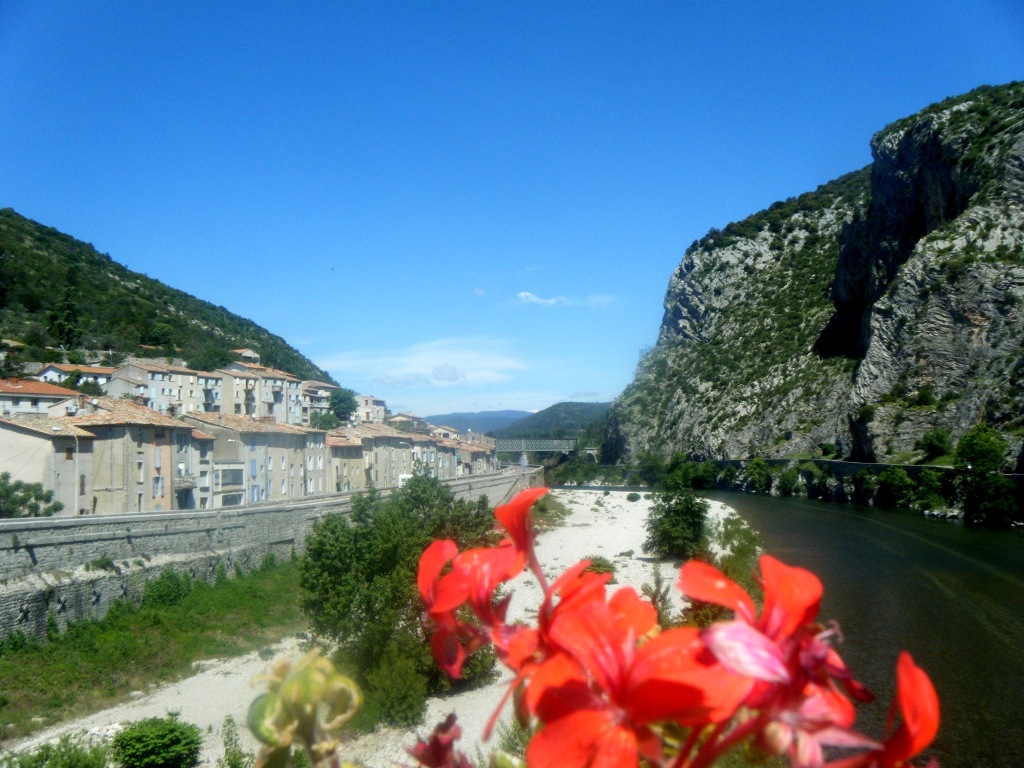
(95, 664)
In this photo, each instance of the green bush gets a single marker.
(600, 564)
(632, 497)
(675, 525)
(168, 588)
(935, 442)
(157, 742)
(787, 481)
(396, 690)
(359, 586)
(759, 475)
(895, 488)
(63, 754)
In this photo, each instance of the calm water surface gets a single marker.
(952, 596)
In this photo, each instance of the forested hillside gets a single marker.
(56, 291)
(582, 420)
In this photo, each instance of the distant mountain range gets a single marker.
(482, 421)
(583, 420)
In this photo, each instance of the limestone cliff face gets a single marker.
(859, 316)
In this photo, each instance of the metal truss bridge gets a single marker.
(536, 445)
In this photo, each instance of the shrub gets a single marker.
(359, 587)
(168, 588)
(895, 488)
(675, 525)
(63, 754)
(759, 475)
(157, 742)
(632, 497)
(787, 481)
(396, 690)
(935, 442)
(600, 564)
(234, 756)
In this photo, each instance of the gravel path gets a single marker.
(599, 524)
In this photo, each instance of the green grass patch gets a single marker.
(95, 664)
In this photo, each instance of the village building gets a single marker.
(347, 467)
(369, 410)
(316, 399)
(28, 397)
(277, 394)
(54, 453)
(57, 373)
(260, 460)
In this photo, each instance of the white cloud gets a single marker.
(531, 298)
(597, 301)
(439, 363)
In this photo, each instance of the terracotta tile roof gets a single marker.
(343, 441)
(33, 387)
(112, 411)
(240, 423)
(46, 427)
(265, 372)
(198, 435)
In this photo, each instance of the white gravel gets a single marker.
(599, 524)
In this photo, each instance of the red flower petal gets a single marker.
(515, 517)
(432, 562)
(704, 582)
(919, 706)
(675, 677)
(582, 740)
(791, 598)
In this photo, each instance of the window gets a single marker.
(68, 454)
(158, 486)
(139, 473)
(81, 485)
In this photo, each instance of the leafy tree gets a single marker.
(675, 525)
(928, 494)
(988, 497)
(787, 482)
(62, 322)
(935, 442)
(981, 449)
(358, 578)
(19, 499)
(895, 488)
(759, 475)
(343, 403)
(326, 420)
(650, 468)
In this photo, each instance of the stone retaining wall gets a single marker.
(76, 568)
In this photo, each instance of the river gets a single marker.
(953, 596)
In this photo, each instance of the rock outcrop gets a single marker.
(857, 317)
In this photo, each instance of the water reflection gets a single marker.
(951, 595)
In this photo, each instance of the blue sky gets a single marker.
(455, 206)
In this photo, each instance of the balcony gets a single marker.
(183, 482)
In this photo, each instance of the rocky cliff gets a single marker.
(857, 317)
